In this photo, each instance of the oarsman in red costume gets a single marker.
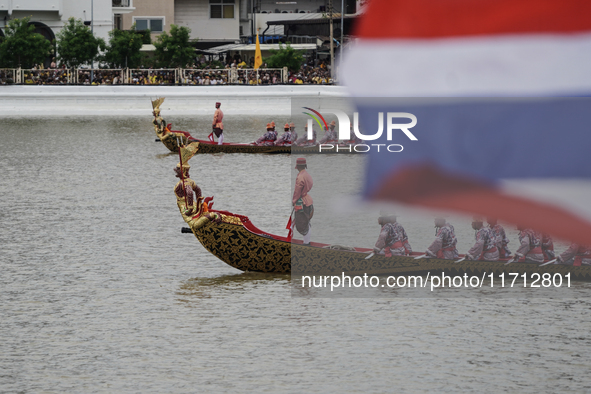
(218, 126)
(530, 248)
(576, 255)
(301, 200)
(331, 136)
(392, 240)
(485, 247)
(294, 134)
(268, 139)
(304, 140)
(284, 139)
(501, 238)
(354, 139)
(444, 246)
(547, 246)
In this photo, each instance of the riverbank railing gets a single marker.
(127, 76)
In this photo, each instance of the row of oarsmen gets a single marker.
(491, 243)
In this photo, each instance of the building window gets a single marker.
(156, 25)
(221, 9)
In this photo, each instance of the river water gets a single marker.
(100, 291)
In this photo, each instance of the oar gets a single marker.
(462, 259)
(549, 262)
(157, 140)
(369, 256)
(290, 225)
(510, 261)
(421, 257)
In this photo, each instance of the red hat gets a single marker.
(218, 104)
(333, 123)
(292, 124)
(273, 124)
(268, 125)
(286, 126)
(301, 161)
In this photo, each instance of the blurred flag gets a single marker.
(500, 91)
(258, 58)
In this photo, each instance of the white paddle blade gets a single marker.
(369, 256)
(460, 260)
(509, 262)
(549, 262)
(420, 257)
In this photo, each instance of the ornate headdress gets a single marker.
(157, 103)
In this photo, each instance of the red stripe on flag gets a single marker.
(432, 188)
(451, 18)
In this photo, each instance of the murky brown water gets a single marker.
(100, 292)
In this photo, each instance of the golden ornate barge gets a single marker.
(171, 140)
(237, 242)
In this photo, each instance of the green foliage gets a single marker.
(285, 57)
(76, 44)
(124, 49)
(146, 36)
(174, 50)
(22, 47)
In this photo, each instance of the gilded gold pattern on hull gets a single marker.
(232, 243)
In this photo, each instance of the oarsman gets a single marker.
(304, 140)
(547, 247)
(576, 255)
(285, 138)
(190, 205)
(501, 238)
(218, 126)
(530, 248)
(294, 134)
(485, 247)
(444, 246)
(330, 136)
(354, 139)
(392, 240)
(267, 139)
(301, 200)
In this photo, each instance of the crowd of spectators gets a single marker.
(152, 77)
(7, 77)
(46, 77)
(100, 77)
(193, 76)
(230, 70)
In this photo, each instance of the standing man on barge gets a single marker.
(302, 202)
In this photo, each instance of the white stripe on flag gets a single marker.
(511, 65)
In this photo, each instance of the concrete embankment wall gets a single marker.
(135, 100)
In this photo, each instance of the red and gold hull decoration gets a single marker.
(236, 241)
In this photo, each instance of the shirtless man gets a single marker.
(217, 125)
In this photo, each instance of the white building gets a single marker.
(49, 16)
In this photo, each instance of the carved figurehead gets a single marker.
(159, 123)
(188, 198)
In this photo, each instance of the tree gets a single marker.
(76, 44)
(124, 49)
(22, 47)
(285, 57)
(174, 50)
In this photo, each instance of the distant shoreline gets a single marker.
(47, 100)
